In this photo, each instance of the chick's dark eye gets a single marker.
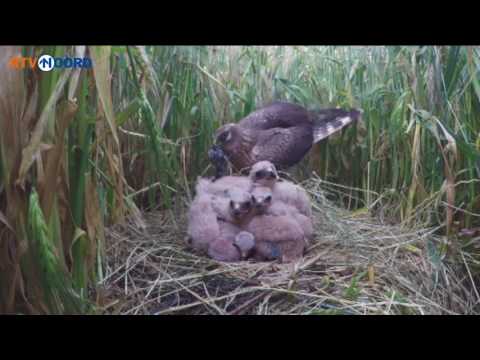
(268, 198)
(231, 204)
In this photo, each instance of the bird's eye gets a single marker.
(224, 137)
(232, 205)
(268, 198)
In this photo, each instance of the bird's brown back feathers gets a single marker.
(281, 132)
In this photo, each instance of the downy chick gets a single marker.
(235, 207)
(231, 247)
(293, 195)
(221, 240)
(232, 244)
(203, 227)
(276, 237)
(264, 173)
(264, 203)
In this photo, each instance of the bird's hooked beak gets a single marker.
(259, 207)
(272, 175)
(215, 140)
(259, 204)
(236, 210)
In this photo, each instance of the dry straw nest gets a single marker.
(355, 265)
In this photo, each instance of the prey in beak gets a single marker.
(219, 161)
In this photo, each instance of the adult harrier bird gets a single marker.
(281, 133)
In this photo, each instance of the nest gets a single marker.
(355, 265)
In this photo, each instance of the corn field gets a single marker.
(84, 149)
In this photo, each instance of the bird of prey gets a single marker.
(281, 133)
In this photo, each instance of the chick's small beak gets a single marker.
(236, 211)
(243, 254)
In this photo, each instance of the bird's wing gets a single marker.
(329, 121)
(277, 115)
(283, 147)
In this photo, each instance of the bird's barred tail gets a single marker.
(329, 121)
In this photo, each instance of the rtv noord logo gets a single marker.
(47, 62)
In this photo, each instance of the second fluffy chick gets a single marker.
(280, 230)
(214, 224)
